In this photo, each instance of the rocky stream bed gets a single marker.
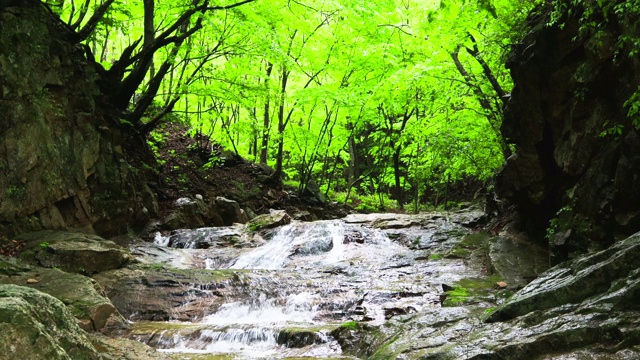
(378, 286)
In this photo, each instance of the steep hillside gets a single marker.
(63, 159)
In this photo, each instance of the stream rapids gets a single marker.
(291, 287)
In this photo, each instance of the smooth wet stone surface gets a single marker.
(73, 252)
(516, 260)
(83, 297)
(584, 309)
(287, 296)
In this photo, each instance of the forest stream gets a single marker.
(307, 281)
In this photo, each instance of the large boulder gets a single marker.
(73, 252)
(582, 309)
(577, 153)
(35, 325)
(160, 293)
(187, 213)
(615, 270)
(64, 163)
(273, 219)
(230, 211)
(83, 297)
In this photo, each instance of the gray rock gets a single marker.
(83, 297)
(517, 261)
(69, 171)
(38, 326)
(188, 213)
(161, 293)
(73, 252)
(572, 283)
(583, 309)
(230, 211)
(274, 219)
(563, 168)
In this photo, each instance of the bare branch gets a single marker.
(398, 27)
(90, 26)
(486, 69)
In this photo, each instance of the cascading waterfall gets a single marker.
(304, 280)
(296, 238)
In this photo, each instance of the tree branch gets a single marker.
(486, 69)
(90, 26)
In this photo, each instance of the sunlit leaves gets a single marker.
(371, 79)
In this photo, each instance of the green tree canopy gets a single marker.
(399, 97)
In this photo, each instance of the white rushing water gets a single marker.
(287, 295)
(304, 238)
(297, 308)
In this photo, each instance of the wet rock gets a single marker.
(354, 237)
(273, 219)
(83, 297)
(568, 166)
(125, 349)
(390, 312)
(584, 309)
(576, 281)
(204, 238)
(159, 293)
(314, 246)
(73, 252)
(517, 261)
(188, 213)
(69, 172)
(299, 337)
(230, 211)
(38, 326)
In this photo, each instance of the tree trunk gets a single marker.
(266, 121)
(281, 123)
(396, 175)
(149, 30)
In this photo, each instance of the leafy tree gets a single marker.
(394, 96)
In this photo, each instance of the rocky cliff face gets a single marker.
(577, 155)
(62, 162)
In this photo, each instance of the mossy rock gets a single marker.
(37, 326)
(470, 243)
(267, 221)
(83, 296)
(476, 290)
(73, 252)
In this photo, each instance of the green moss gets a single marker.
(385, 352)
(470, 243)
(473, 290)
(458, 295)
(350, 325)
(199, 275)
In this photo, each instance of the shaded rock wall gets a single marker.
(62, 163)
(571, 83)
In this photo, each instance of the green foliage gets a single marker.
(366, 98)
(633, 112)
(456, 296)
(558, 223)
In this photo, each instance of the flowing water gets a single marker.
(306, 279)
